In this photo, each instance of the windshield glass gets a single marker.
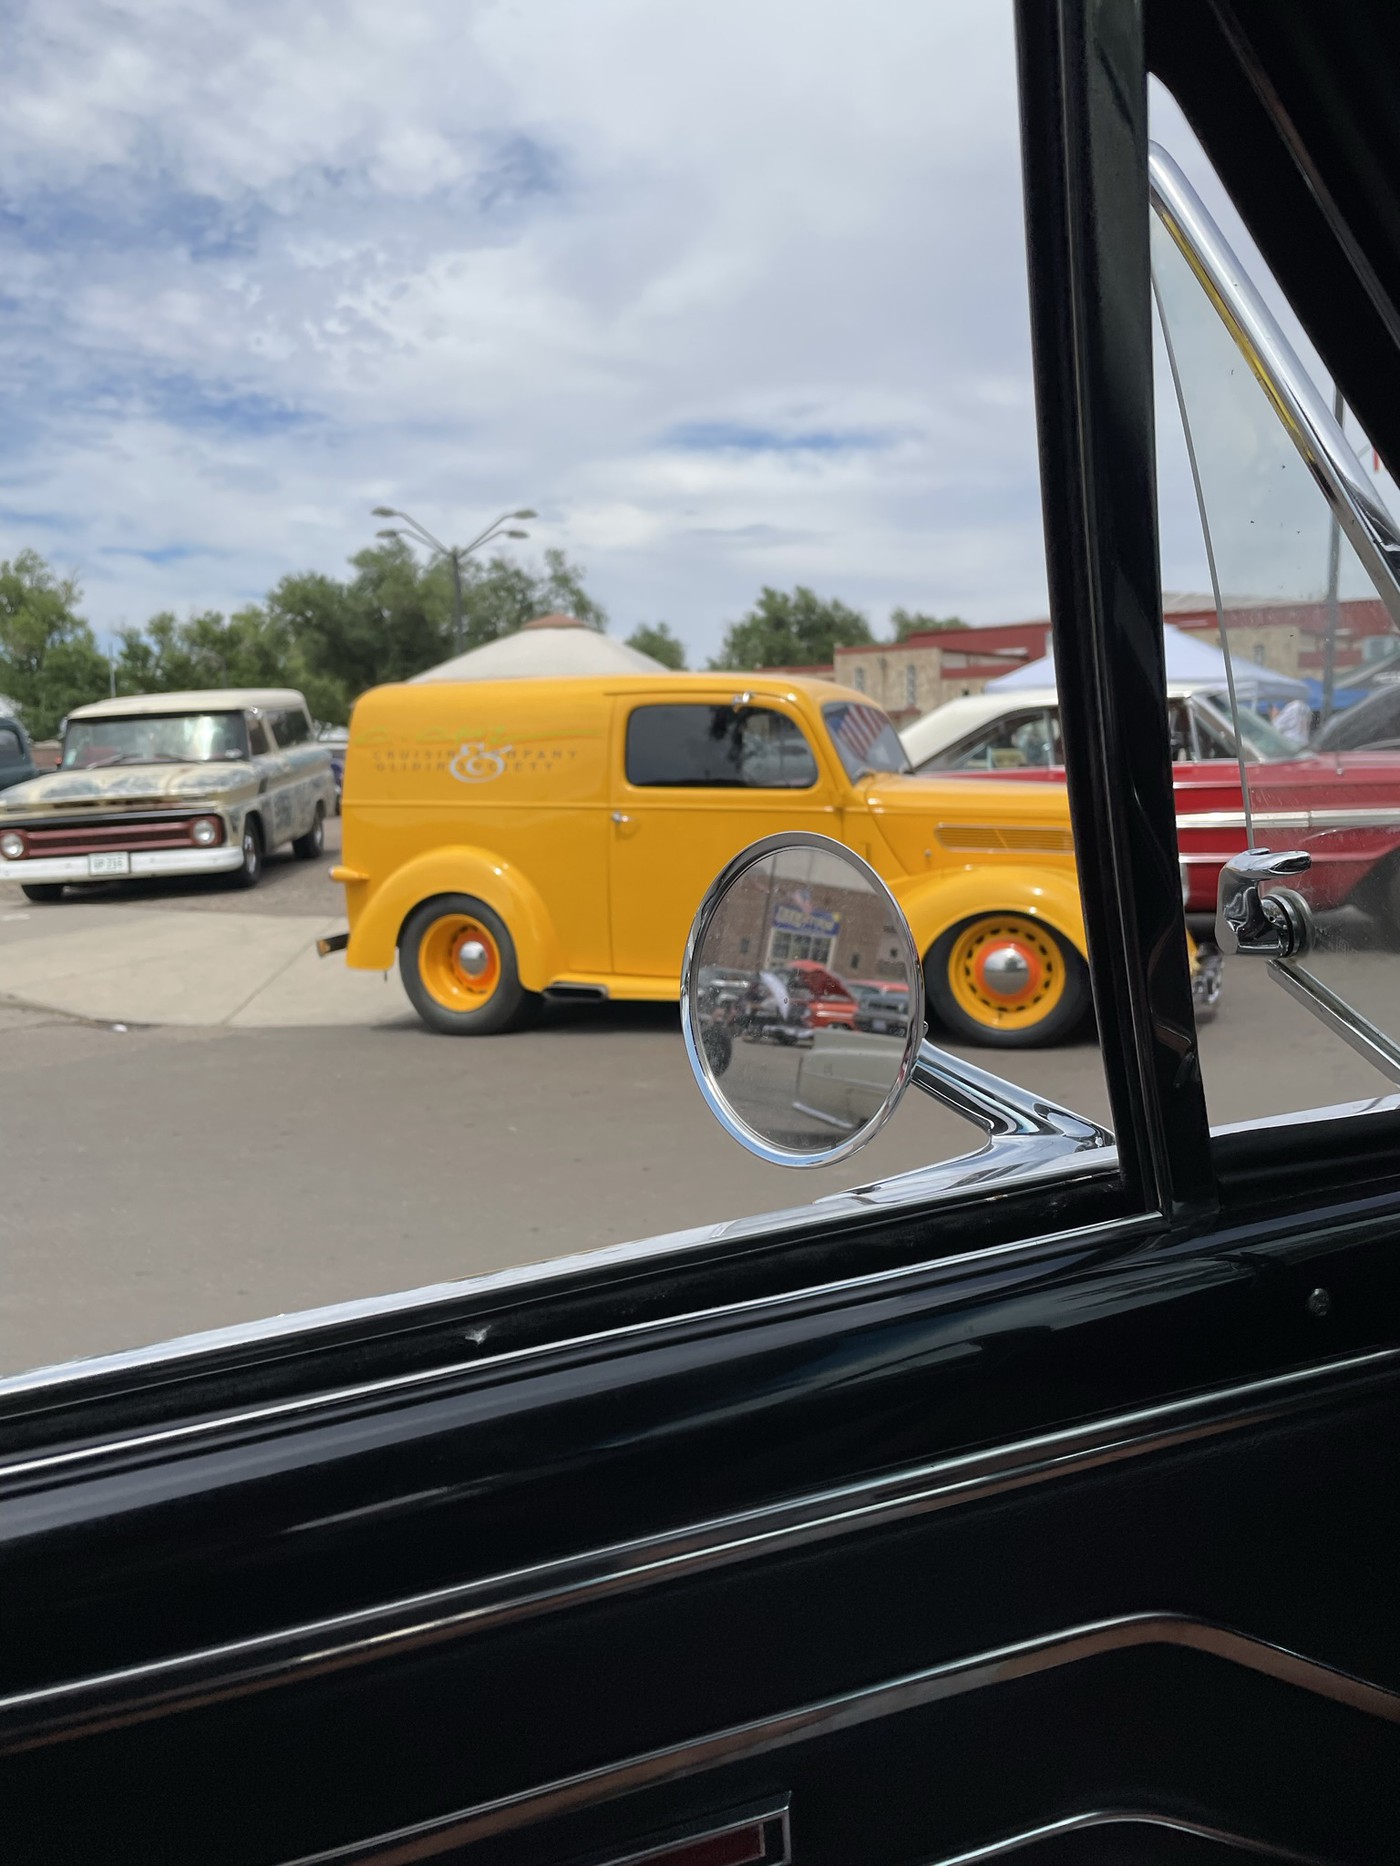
(185, 738)
(1261, 740)
(865, 740)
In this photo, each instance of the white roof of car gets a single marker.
(200, 700)
(945, 725)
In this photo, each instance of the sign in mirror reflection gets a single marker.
(804, 1001)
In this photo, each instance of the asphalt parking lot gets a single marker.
(165, 1179)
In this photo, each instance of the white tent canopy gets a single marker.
(547, 646)
(1189, 659)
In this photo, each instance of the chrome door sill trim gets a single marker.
(825, 1718)
(304, 1327)
(265, 1661)
(1123, 1232)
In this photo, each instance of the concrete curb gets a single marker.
(241, 971)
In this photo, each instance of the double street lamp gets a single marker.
(454, 555)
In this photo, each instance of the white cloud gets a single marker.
(270, 266)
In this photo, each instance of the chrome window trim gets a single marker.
(1308, 421)
(261, 1662)
(305, 1325)
(771, 1735)
(65, 1379)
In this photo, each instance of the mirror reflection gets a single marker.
(804, 1001)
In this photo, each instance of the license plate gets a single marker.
(878, 1023)
(118, 862)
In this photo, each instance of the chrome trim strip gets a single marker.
(1308, 421)
(1127, 1817)
(240, 1667)
(304, 1325)
(827, 1717)
(1348, 818)
(44, 1382)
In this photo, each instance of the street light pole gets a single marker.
(454, 555)
(456, 563)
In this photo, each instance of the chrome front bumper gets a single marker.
(144, 863)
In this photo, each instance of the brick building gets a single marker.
(1290, 637)
(768, 921)
(913, 676)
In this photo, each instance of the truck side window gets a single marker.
(258, 742)
(291, 727)
(717, 747)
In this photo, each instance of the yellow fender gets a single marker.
(374, 932)
(934, 903)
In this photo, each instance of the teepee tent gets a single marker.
(1189, 659)
(547, 646)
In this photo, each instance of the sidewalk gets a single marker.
(123, 965)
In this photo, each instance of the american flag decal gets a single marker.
(858, 729)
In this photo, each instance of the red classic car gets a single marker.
(827, 1003)
(1344, 807)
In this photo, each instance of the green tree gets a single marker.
(655, 639)
(393, 618)
(800, 629)
(49, 658)
(246, 649)
(907, 622)
(332, 637)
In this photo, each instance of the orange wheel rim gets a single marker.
(1007, 972)
(459, 962)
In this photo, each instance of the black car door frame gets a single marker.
(987, 1521)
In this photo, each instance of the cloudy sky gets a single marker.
(731, 292)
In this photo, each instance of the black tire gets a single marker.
(1072, 1008)
(719, 1048)
(443, 998)
(42, 893)
(306, 848)
(249, 874)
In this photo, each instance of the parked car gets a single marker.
(200, 783)
(830, 1005)
(17, 764)
(1345, 809)
(1372, 724)
(881, 1009)
(335, 739)
(560, 849)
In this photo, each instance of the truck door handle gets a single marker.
(621, 816)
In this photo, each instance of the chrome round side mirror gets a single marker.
(802, 1000)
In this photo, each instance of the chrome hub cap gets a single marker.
(473, 958)
(1005, 972)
